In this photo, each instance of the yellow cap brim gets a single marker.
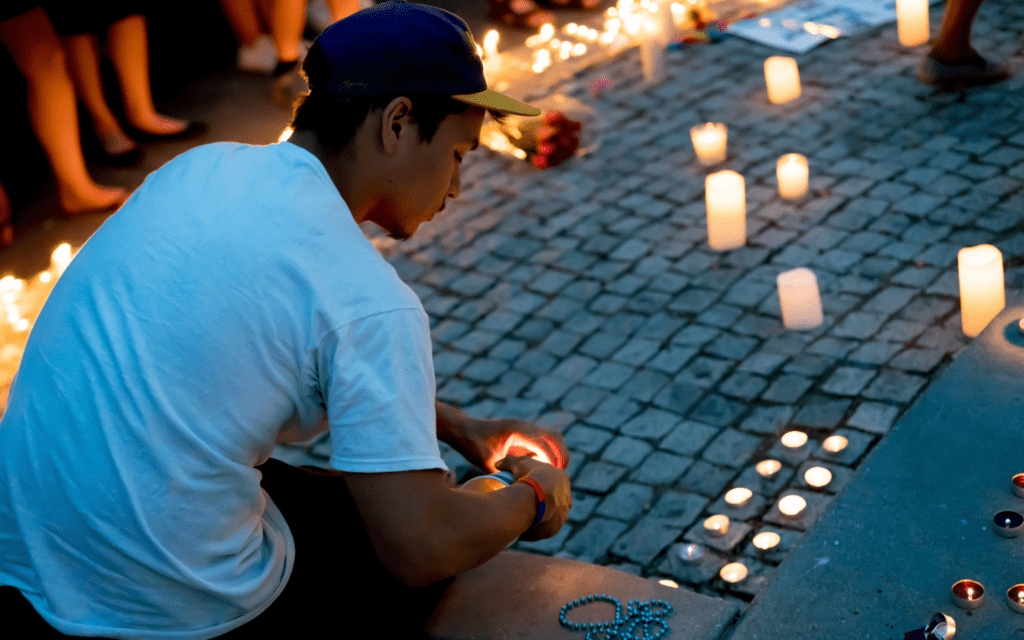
(492, 100)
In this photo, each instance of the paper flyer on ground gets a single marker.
(804, 25)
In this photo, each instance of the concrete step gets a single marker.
(918, 517)
(525, 605)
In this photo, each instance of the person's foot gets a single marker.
(92, 198)
(969, 72)
(160, 126)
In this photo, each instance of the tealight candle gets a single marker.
(738, 497)
(982, 294)
(1015, 598)
(817, 477)
(782, 76)
(669, 583)
(709, 142)
(768, 468)
(767, 540)
(834, 444)
(968, 594)
(792, 506)
(912, 22)
(791, 170)
(1018, 484)
(794, 439)
(1008, 524)
(717, 526)
(726, 198)
(733, 572)
(799, 299)
(691, 553)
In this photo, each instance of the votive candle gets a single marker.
(782, 76)
(709, 142)
(733, 572)
(717, 526)
(791, 171)
(968, 594)
(1015, 598)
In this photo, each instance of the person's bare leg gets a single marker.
(953, 44)
(84, 64)
(287, 19)
(244, 20)
(53, 111)
(128, 46)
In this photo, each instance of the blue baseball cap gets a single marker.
(399, 47)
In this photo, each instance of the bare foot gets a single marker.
(159, 125)
(93, 198)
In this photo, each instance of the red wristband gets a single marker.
(540, 499)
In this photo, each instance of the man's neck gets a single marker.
(346, 172)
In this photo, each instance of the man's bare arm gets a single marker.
(425, 530)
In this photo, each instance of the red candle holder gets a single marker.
(1018, 484)
(1015, 598)
(968, 594)
(1008, 524)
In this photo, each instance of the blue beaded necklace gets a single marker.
(648, 614)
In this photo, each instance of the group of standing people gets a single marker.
(58, 48)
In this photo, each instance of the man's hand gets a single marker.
(557, 496)
(484, 442)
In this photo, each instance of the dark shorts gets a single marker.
(337, 587)
(75, 17)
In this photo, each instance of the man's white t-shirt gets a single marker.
(231, 304)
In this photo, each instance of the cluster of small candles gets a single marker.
(791, 507)
(969, 594)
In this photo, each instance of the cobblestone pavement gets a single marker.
(586, 298)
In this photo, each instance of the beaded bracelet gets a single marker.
(648, 614)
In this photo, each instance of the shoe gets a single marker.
(260, 56)
(520, 14)
(974, 72)
(318, 15)
(192, 131)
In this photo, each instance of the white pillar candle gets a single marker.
(653, 58)
(912, 22)
(982, 293)
(709, 141)
(791, 170)
(726, 199)
(799, 299)
(782, 76)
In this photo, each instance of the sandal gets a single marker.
(581, 5)
(520, 14)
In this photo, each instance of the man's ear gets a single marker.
(396, 123)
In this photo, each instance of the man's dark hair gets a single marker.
(335, 119)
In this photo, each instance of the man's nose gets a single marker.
(455, 188)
